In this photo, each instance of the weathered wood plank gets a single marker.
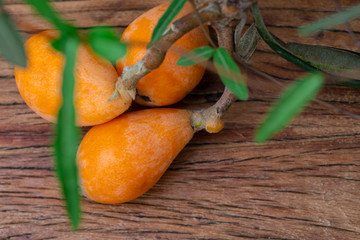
(303, 184)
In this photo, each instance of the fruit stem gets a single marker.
(155, 55)
(211, 119)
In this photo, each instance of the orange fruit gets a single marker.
(40, 83)
(169, 83)
(120, 160)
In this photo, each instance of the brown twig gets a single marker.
(225, 36)
(211, 118)
(206, 33)
(224, 103)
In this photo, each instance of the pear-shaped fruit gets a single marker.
(122, 159)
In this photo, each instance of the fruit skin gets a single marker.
(214, 125)
(122, 159)
(169, 83)
(40, 83)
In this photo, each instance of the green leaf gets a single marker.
(230, 73)
(67, 136)
(246, 45)
(195, 56)
(11, 43)
(353, 83)
(335, 61)
(292, 101)
(106, 43)
(274, 42)
(47, 11)
(239, 29)
(60, 43)
(330, 21)
(170, 13)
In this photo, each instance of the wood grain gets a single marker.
(303, 184)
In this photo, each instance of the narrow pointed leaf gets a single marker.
(353, 83)
(335, 61)
(60, 43)
(230, 73)
(292, 101)
(67, 136)
(275, 44)
(332, 60)
(106, 43)
(330, 21)
(11, 43)
(171, 12)
(246, 45)
(195, 56)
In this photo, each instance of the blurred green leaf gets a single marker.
(330, 21)
(291, 102)
(331, 60)
(170, 13)
(353, 83)
(106, 43)
(230, 73)
(67, 136)
(246, 45)
(47, 11)
(60, 43)
(275, 44)
(195, 56)
(11, 43)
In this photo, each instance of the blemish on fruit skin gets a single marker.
(198, 124)
(145, 98)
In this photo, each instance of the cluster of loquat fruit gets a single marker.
(125, 154)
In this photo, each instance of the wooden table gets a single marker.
(303, 184)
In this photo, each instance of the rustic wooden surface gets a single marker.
(304, 184)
